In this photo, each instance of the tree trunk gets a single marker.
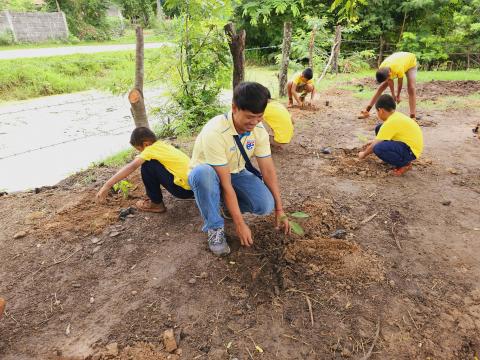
(135, 96)
(336, 51)
(58, 6)
(403, 26)
(287, 42)
(380, 52)
(160, 13)
(311, 47)
(468, 60)
(236, 42)
(137, 107)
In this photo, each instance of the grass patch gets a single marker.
(118, 159)
(451, 102)
(28, 78)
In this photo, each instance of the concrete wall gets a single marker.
(34, 26)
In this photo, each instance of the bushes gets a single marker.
(6, 38)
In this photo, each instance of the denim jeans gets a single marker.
(252, 194)
(154, 174)
(395, 153)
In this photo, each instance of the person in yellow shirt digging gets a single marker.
(396, 66)
(302, 83)
(399, 140)
(280, 121)
(161, 164)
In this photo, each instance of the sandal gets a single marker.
(2, 306)
(402, 170)
(149, 206)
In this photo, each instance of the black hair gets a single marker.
(382, 74)
(140, 135)
(251, 96)
(307, 73)
(386, 102)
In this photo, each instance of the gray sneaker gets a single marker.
(217, 242)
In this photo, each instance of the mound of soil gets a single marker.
(346, 163)
(341, 259)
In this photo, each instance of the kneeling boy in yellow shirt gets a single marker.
(280, 121)
(162, 164)
(399, 140)
(302, 83)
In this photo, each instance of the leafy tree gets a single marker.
(202, 62)
(17, 5)
(140, 12)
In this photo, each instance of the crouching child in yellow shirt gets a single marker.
(280, 121)
(302, 83)
(399, 140)
(161, 164)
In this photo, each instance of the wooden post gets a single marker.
(336, 51)
(287, 42)
(135, 96)
(380, 52)
(311, 47)
(58, 6)
(236, 42)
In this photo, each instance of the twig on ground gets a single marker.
(377, 333)
(370, 218)
(309, 303)
(55, 262)
(395, 238)
(413, 321)
(249, 353)
(296, 339)
(221, 280)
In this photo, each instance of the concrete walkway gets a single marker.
(70, 50)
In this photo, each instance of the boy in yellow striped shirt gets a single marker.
(302, 83)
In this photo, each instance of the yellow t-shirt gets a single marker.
(174, 160)
(299, 80)
(279, 119)
(400, 127)
(399, 63)
(216, 146)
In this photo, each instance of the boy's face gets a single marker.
(245, 120)
(382, 114)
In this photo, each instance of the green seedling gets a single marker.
(124, 187)
(296, 227)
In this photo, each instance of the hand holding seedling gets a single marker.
(281, 222)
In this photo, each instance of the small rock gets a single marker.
(112, 349)
(173, 357)
(391, 283)
(76, 285)
(339, 234)
(95, 249)
(446, 202)
(178, 352)
(327, 103)
(95, 240)
(326, 150)
(192, 281)
(169, 340)
(134, 292)
(453, 171)
(203, 275)
(346, 353)
(362, 173)
(92, 299)
(20, 235)
(114, 233)
(124, 213)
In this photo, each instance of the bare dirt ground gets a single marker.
(400, 277)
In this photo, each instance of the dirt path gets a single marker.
(404, 279)
(70, 50)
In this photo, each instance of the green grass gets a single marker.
(452, 102)
(128, 38)
(114, 71)
(118, 159)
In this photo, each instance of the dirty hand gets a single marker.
(101, 196)
(281, 222)
(245, 235)
(398, 99)
(361, 155)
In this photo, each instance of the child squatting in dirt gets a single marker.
(161, 164)
(278, 118)
(301, 83)
(399, 140)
